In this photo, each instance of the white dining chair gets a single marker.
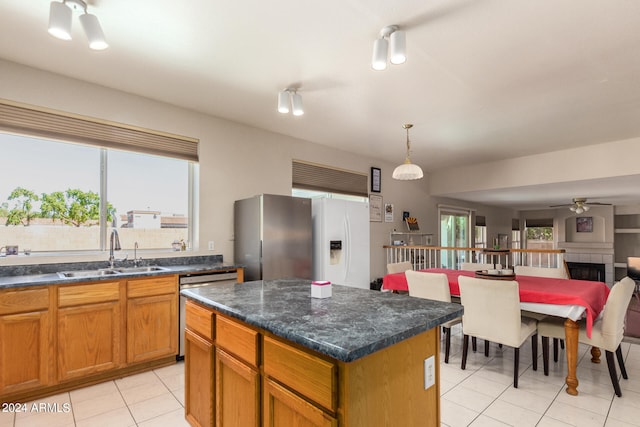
(551, 272)
(607, 331)
(399, 267)
(434, 286)
(475, 266)
(492, 313)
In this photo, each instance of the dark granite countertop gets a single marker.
(46, 274)
(351, 324)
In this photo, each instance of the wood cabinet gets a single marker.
(237, 378)
(26, 343)
(284, 408)
(237, 392)
(89, 329)
(60, 337)
(152, 318)
(263, 380)
(199, 380)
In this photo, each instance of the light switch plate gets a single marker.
(211, 245)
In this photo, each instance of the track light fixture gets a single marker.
(398, 42)
(60, 16)
(290, 97)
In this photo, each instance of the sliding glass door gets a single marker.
(454, 232)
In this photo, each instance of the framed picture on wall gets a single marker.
(375, 208)
(376, 180)
(584, 224)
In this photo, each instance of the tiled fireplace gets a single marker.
(590, 258)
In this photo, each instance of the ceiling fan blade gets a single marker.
(561, 206)
(598, 203)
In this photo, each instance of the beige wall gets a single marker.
(236, 161)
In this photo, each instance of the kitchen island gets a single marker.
(266, 353)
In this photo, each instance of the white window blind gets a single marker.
(35, 121)
(312, 176)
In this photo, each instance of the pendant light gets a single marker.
(407, 171)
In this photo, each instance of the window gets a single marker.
(480, 232)
(454, 232)
(57, 196)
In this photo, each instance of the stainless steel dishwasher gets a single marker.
(196, 280)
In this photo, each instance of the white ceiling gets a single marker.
(484, 80)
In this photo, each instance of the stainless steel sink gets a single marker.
(147, 269)
(87, 273)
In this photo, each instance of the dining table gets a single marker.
(567, 298)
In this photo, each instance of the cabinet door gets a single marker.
(198, 377)
(282, 408)
(88, 339)
(237, 392)
(25, 351)
(152, 327)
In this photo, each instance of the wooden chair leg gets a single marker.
(516, 366)
(555, 350)
(465, 348)
(612, 373)
(447, 344)
(623, 370)
(474, 344)
(534, 351)
(545, 355)
(486, 348)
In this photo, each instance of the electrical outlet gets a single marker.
(211, 245)
(429, 372)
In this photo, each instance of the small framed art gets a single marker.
(584, 224)
(376, 180)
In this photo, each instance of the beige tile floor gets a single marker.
(481, 395)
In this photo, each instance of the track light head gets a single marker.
(60, 20)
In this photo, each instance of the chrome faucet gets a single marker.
(114, 245)
(136, 260)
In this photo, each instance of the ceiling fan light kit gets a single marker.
(580, 205)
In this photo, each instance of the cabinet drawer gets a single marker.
(199, 319)
(88, 294)
(237, 339)
(155, 286)
(309, 375)
(24, 300)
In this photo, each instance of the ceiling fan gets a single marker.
(580, 205)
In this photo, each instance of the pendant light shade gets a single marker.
(93, 30)
(407, 171)
(60, 21)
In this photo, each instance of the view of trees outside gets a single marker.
(50, 196)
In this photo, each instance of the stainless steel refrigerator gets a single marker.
(273, 237)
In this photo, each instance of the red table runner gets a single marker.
(545, 290)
